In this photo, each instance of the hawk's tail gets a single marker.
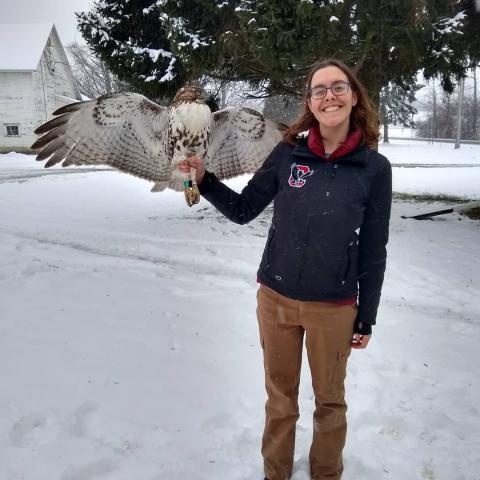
(158, 187)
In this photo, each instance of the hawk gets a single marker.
(135, 135)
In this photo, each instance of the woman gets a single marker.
(322, 269)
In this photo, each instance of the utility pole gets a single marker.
(435, 133)
(459, 115)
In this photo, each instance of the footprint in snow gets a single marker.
(217, 422)
(301, 468)
(34, 428)
(392, 432)
(89, 472)
(428, 473)
(77, 422)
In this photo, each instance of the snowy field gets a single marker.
(437, 176)
(129, 344)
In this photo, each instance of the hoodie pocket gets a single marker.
(269, 246)
(349, 262)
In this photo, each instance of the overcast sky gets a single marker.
(59, 12)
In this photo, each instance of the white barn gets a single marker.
(35, 80)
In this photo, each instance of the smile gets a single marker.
(332, 108)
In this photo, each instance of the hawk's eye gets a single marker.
(197, 93)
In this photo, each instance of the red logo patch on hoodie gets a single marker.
(298, 173)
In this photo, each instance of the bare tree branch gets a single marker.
(91, 74)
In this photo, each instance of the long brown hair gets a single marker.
(364, 115)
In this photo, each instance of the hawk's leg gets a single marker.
(192, 194)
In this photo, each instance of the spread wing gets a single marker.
(240, 141)
(124, 130)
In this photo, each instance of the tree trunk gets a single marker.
(385, 133)
(459, 115)
(223, 95)
(446, 126)
(108, 78)
(383, 114)
(434, 120)
(475, 105)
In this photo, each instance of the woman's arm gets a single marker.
(242, 207)
(372, 245)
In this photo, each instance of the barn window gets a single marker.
(13, 130)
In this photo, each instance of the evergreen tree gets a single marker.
(396, 106)
(272, 44)
(147, 43)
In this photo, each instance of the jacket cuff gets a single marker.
(362, 328)
(209, 180)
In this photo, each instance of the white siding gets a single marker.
(29, 98)
(16, 105)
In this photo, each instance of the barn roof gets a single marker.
(22, 44)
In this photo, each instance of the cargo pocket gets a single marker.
(340, 369)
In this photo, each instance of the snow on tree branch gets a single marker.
(443, 28)
(158, 3)
(450, 25)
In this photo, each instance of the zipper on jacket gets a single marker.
(269, 244)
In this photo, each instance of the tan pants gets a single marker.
(329, 330)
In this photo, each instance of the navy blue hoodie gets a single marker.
(329, 231)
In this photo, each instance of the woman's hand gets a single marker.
(193, 162)
(360, 341)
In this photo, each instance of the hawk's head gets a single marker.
(190, 94)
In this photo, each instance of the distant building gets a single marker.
(35, 80)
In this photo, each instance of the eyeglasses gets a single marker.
(338, 88)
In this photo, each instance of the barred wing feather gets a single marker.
(125, 130)
(240, 141)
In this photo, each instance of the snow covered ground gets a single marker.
(433, 179)
(129, 345)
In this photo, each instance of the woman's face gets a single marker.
(332, 111)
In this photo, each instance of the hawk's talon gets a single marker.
(192, 195)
